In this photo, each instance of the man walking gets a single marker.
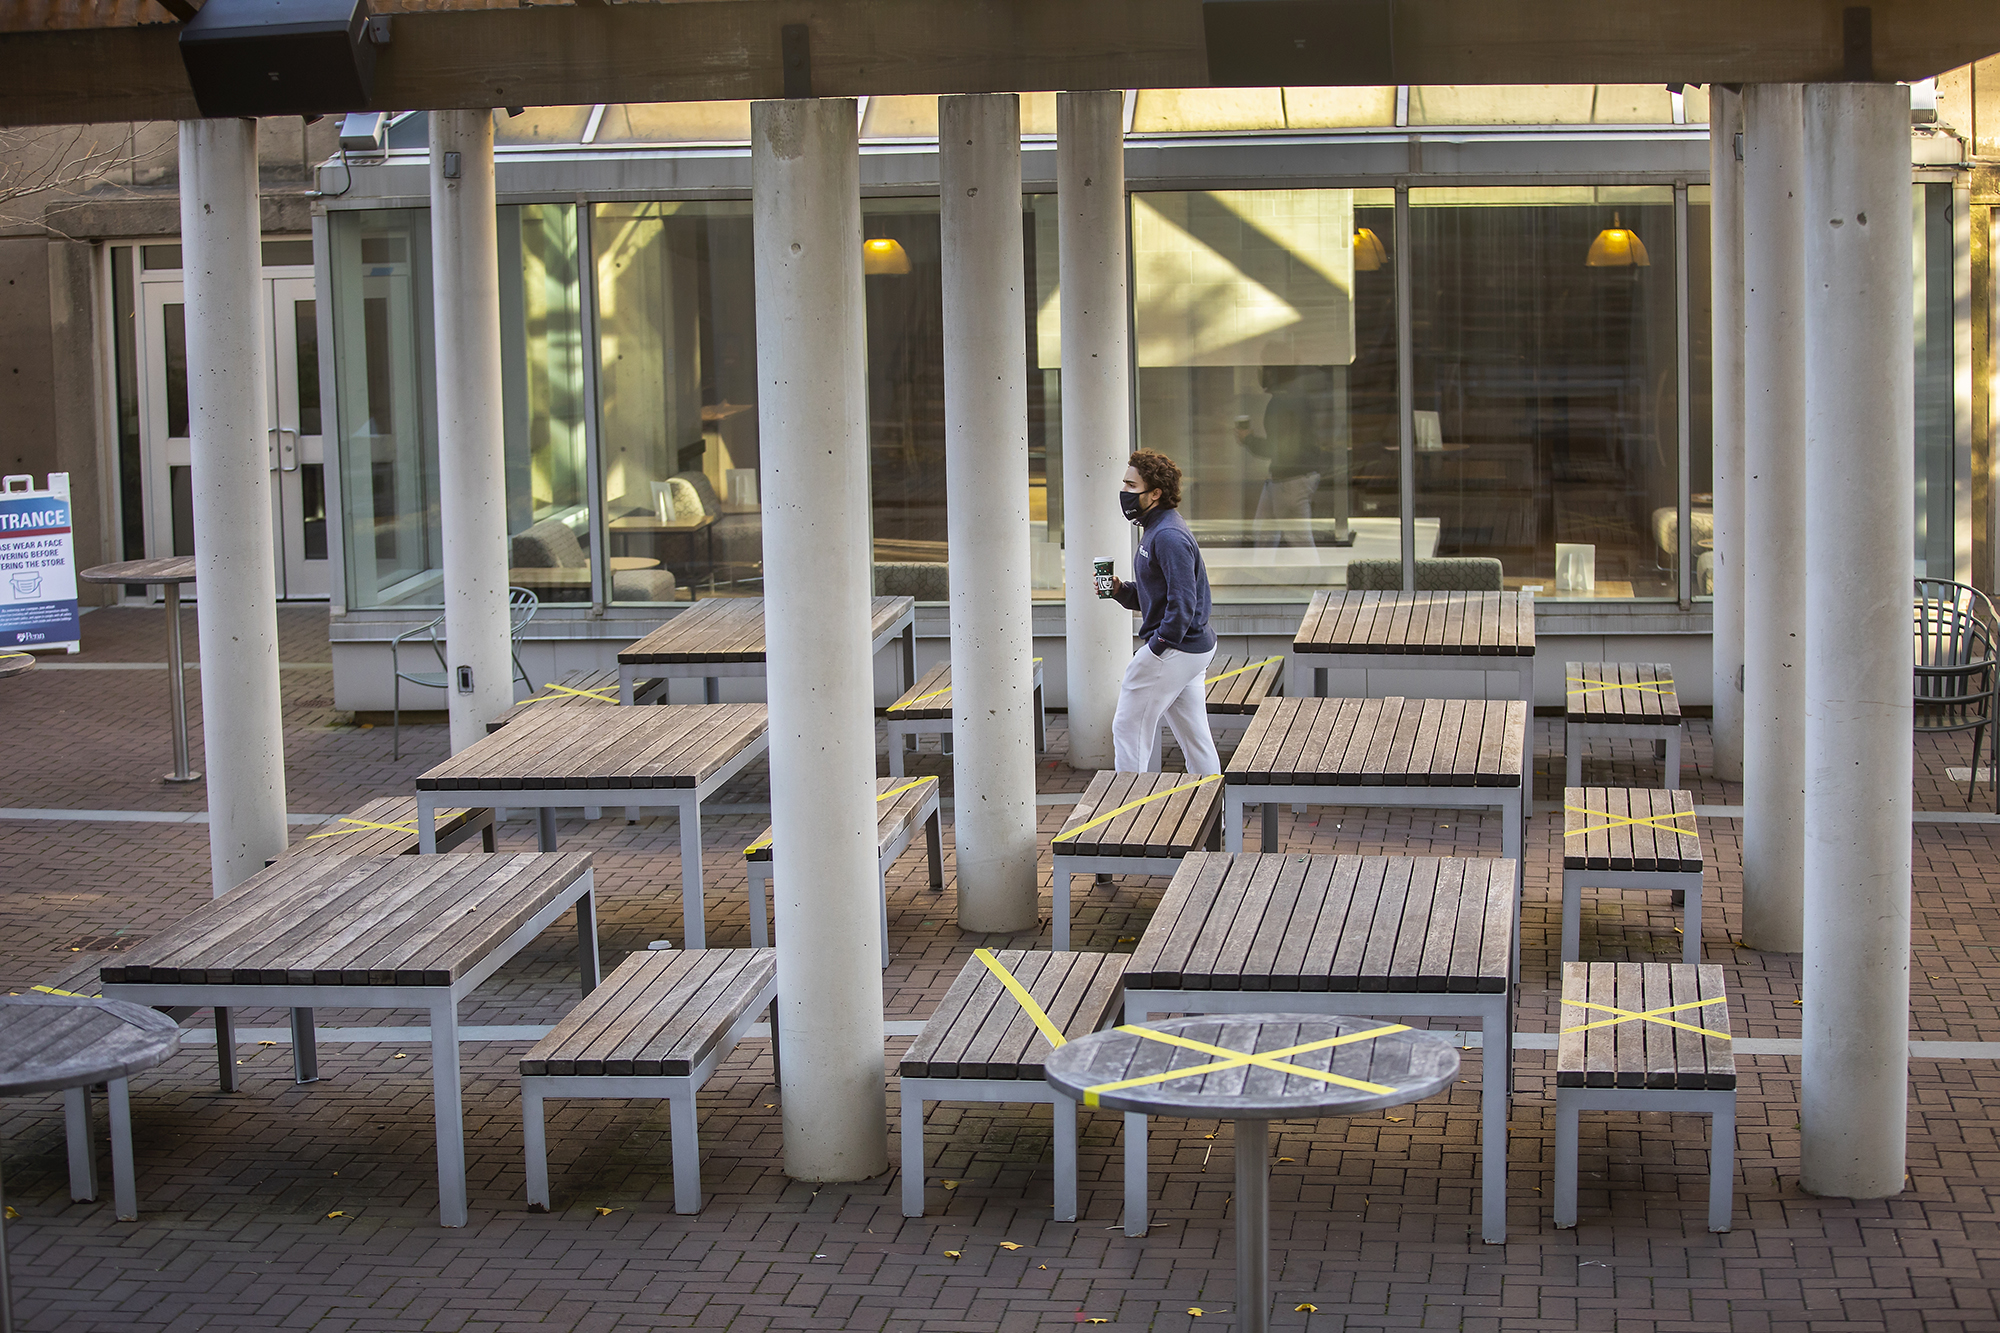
(1167, 676)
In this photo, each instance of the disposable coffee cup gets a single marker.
(1102, 576)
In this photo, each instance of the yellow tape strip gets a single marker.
(594, 692)
(70, 994)
(765, 841)
(1650, 1016)
(1240, 670)
(360, 824)
(1020, 994)
(1134, 805)
(1620, 821)
(1236, 1059)
(1595, 685)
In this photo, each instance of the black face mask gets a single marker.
(1129, 502)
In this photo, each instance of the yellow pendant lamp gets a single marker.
(880, 257)
(1369, 255)
(1618, 246)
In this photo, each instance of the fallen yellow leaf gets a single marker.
(1196, 1309)
(1394, 1119)
(1041, 1265)
(337, 1213)
(952, 1254)
(12, 1212)
(1097, 1321)
(1309, 1309)
(400, 1055)
(606, 1212)
(1208, 1136)
(1008, 1245)
(267, 1043)
(951, 1184)
(1288, 1159)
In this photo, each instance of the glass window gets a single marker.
(1265, 340)
(1935, 328)
(677, 394)
(1541, 104)
(125, 353)
(675, 122)
(1701, 405)
(1546, 383)
(541, 350)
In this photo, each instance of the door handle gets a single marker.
(288, 449)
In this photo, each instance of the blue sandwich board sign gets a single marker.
(37, 566)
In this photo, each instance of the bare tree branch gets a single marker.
(40, 166)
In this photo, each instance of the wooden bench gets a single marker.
(579, 687)
(1620, 701)
(1630, 838)
(925, 709)
(724, 636)
(902, 806)
(1235, 685)
(1419, 631)
(984, 1044)
(1134, 824)
(656, 1027)
(1646, 1037)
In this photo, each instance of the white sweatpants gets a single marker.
(1171, 686)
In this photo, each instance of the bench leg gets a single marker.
(1512, 844)
(1270, 827)
(586, 940)
(777, 1064)
(934, 844)
(882, 897)
(1062, 1114)
(896, 743)
(693, 920)
(1041, 723)
(1135, 1174)
(534, 1147)
(1722, 1165)
(545, 828)
(448, 1108)
(488, 836)
(1319, 682)
(1059, 896)
(687, 1151)
(1572, 927)
(1674, 759)
(82, 1152)
(124, 1188)
(1232, 819)
(1565, 1184)
(225, 1050)
(760, 927)
(1496, 1082)
(305, 1047)
(1572, 757)
(913, 1152)
(711, 689)
(1691, 925)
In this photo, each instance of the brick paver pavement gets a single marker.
(282, 1207)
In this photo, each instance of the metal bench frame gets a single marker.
(1068, 866)
(758, 872)
(902, 726)
(1718, 1104)
(1661, 732)
(1062, 1116)
(679, 1090)
(1687, 882)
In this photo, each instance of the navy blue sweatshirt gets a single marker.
(1169, 586)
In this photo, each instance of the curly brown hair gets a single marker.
(1158, 473)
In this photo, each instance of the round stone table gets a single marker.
(13, 664)
(170, 572)
(49, 1043)
(1253, 1069)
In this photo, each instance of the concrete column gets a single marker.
(472, 478)
(1096, 407)
(236, 574)
(1860, 529)
(986, 497)
(1774, 518)
(812, 411)
(1725, 249)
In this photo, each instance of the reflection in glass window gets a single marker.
(1546, 396)
(1264, 328)
(677, 384)
(1701, 398)
(1943, 548)
(541, 348)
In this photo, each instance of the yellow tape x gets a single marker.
(1236, 1059)
(765, 841)
(1067, 834)
(1240, 670)
(1652, 687)
(1620, 821)
(1650, 1016)
(359, 824)
(1021, 997)
(597, 692)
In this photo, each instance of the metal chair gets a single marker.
(521, 607)
(1953, 627)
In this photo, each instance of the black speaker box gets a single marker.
(1299, 43)
(279, 57)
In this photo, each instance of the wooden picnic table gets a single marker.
(1311, 1065)
(372, 932)
(586, 758)
(52, 1043)
(1427, 631)
(1132, 824)
(169, 573)
(1424, 753)
(1389, 936)
(724, 636)
(1234, 687)
(924, 709)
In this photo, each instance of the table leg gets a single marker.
(305, 1047)
(693, 920)
(1319, 682)
(1135, 1172)
(545, 828)
(1510, 845)
(586, 939)
(124, 1178)
(427, 832)
(760, 921)
(225, 1049)
(1496, 1073)
(913, 1152)
(934, 845)
(1059, 902)
(82, 1152)
(448, 1108)
(534, 1145)
(1270, 840)
(1232, 819)
(1063, 1116)
(1253, 1225)
(177, 688)
(711, 689)
(626, 674)
(909, 656)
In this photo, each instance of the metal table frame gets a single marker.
(545, 801)
(1494, 1010)
(1522, 664)
(711, 674)
(176, 663)
(1068, 867)
(759, 873)
(902, 727)
(441, 1001)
